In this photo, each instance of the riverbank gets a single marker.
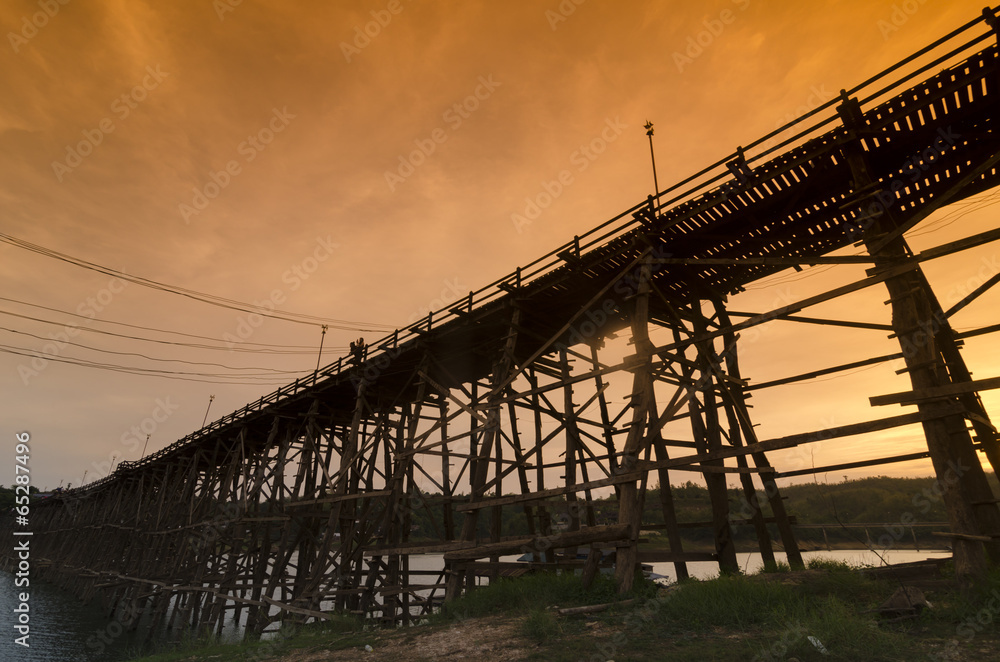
(773, 616)
(658, 544)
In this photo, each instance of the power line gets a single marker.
(234, 348)
(223, 302)
(147, 328)
(166, 374)
(153, 358)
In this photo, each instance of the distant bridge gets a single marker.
(303, 503)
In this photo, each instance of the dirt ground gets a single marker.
(478, 639)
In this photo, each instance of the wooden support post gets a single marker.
(959, 473)
(959, 373)
(572, 447)
(739, 418)
(501, 376)
(708, 438)
(629, 513)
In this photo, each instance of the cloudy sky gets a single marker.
(275, 151)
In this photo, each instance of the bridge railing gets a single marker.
(788, 136)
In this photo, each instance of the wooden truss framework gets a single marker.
(303, 505)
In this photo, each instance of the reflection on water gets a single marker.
(751, 563)
(63, 628)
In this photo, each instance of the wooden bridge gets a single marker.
(303, 503)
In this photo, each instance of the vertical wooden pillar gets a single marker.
(629, 509)
(959, 473)
(708, 437)
(480, 465)
(739, 420)
(666, 492)
(572, 447)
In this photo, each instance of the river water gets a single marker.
(62, 629)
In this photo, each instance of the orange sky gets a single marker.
(312, 122)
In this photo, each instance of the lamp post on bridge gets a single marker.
(204, 420)
(656, 186)
(320, 356)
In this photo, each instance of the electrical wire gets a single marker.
(222, 302)
(249, 379)
(234, 348)
(309, 348)
(153, 358)
(964, 209)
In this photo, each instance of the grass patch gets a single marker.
(729, 602)
(536, 591)
(830, 565)
(777, 567)
(852, 635)
(776, 620)
(541, 625)
(972, 601)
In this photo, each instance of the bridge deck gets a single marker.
(926, 144)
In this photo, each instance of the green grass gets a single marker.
(777, 619)
(778, 567)
(541, 625)
(539, 590)
(830, 565)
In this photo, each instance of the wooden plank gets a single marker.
(699, 525)
(853, 465)
(796, 439)
(689, 460)
(825, 371)
(936, 203)
(938, 392)
(710, 469)
(768, 261)
(993, 328)
(298, 503)
(972, 296)
(825, 322)
(562, 383)
(544, 348)
(962, 536)
(568, 539)
(592, 609)
(437, 548)
(503, 565)
(542, 495)
(447, 393)
(666, 556)
(882, 276)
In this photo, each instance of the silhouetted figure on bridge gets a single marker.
(358, 351)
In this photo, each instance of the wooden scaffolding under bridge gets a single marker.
(378, 486)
